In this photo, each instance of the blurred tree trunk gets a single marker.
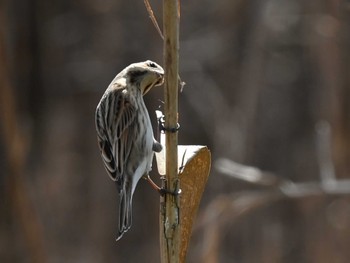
(24, 215)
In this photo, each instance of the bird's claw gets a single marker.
(164, 191)
(161, 122)
(161, 191)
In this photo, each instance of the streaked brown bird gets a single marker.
(125, 134)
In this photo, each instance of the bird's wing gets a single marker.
(115, 125)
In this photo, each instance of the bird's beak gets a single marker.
(157, 82)
(160, 79)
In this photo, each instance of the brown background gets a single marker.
(261, 76)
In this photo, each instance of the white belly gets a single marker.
(145, 149)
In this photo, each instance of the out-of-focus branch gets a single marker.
(15, 147)
(228, 209)
(224, 210)
(324, 153)
(248, 174)
(275, 183)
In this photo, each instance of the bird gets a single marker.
(124, 132)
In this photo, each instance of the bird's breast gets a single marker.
(145, 130)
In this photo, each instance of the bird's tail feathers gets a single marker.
(125, 209)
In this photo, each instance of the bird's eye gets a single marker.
(152, 65)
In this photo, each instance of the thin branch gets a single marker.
(153, 18)
(156, 25)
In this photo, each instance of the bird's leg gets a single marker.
(151, 182)
(160, 190)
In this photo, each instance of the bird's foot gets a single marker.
(164, 191)
(161, 122)
(160, 190)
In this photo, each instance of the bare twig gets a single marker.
(153, 18)
(156, 25)
(182, 84)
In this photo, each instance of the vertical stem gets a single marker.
(170, 205)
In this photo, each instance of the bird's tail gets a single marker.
(125, 209)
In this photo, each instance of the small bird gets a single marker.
(125, 134)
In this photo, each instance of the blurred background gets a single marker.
(267, 87)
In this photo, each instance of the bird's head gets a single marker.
(144, 75)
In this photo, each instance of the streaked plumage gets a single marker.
(124, 132)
